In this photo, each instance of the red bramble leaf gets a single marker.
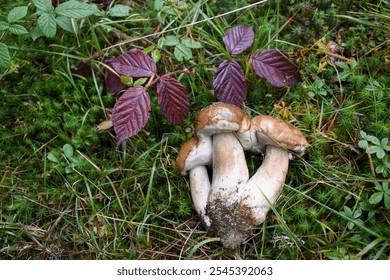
(112, 81)
(130, 113)
(173, 100)
(238, 39)
(134, 63)
(273, 66)
(229, 83)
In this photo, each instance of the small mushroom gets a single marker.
(194, 157)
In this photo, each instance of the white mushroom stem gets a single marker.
(230, 172)
(200, 189)
(265, 186)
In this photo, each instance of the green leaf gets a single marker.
(380, 153)
(319, 83)
(387, 201)
(5, 57)
(169, 10)
(357, 213)
(68, 151)
(156, 55)
(384, 145)
(35, 32)
(68, 170)
(373, 86)
(75, 9)
(119, 11)
(128, 81)
(53, 156)
(140, 82)
(342, 65)
(348, 212)
(18, 29)
(373, 140)
(181, 5)
(17, 13)
(378, 187)
(376, 198)
(65, 23)
(363, 144)
(4, 25)
(158, 4)
(363, 134)
(44, 5)
(191, 43)
(171, 40)
(344, 75)
(148, 49)
(47, 24)
(182, 52)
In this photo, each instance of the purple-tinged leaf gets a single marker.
(238, 39)
(130, 113)
(135, 63)
(229, 83)
(112, 81)
(274, 66)
(173, 100)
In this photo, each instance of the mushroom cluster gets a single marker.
(233, 203)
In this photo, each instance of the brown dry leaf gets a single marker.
(105, 125)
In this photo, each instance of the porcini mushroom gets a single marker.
(194, 157)
(232, 204)
(230, 171)
(265, 186)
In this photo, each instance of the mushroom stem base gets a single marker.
(230, 222)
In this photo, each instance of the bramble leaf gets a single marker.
(18, 29)
(173, 100)
(119, 11)
(47, 24)
(238, 39)
(229, 83)
(5, 57)
(75, 9)
(66, 24)
(112, 81)
(273, 66)
(4, 25)
(130, 113)
(17, 13)
(43, 5)
(134, 63)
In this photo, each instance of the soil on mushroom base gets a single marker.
(232, 223)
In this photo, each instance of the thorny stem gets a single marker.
(154, 79)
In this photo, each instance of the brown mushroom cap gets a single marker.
(220, 118)
(194, 153)
(272, 131)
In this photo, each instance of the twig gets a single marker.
(99, 54)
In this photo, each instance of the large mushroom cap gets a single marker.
(220, 118)
(272, 131)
